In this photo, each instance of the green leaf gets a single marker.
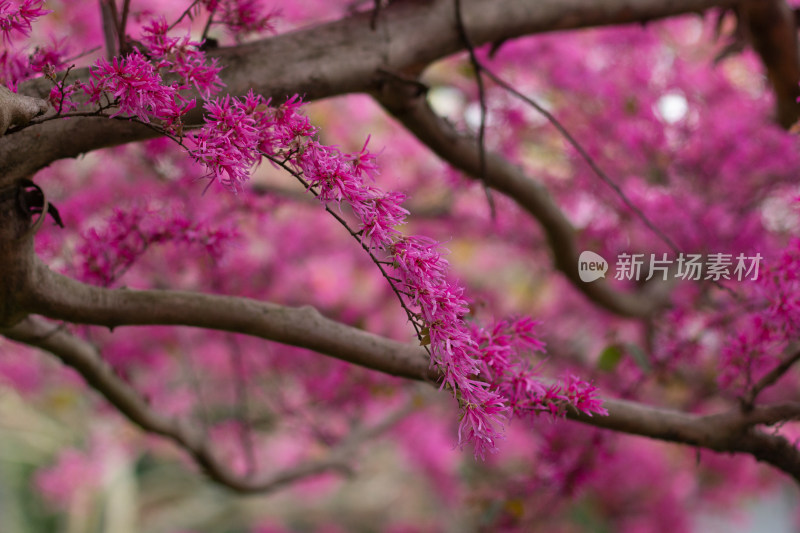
(425, 336)
(610, 358)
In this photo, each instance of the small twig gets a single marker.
(82, 54)
(62, 85)
(598, 171)
(585, 156)
(123, 23)
(477, 67)
(186, 12)
(771, 377)
(207, 27)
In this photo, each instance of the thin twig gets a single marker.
(108, 27)
(476, 66)
(412, 317)
(585, 156)
(771, 377)
(123, 23)
(599, 172)
(186, 12)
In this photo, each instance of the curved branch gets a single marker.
(341, 57)
(84, 358)
(62, 298)
(731, 432)
(772, 30)
(413, 111)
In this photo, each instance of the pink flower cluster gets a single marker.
(18, 18)
(480, 369)
(516, 381)
(133, 85)
(14, 67)
(106, 254)
(17, 65)
(228, 143)
(49, 57)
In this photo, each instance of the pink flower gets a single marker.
(19, 19)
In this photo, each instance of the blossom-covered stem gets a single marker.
(412, 317)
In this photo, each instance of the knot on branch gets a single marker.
(17, 109)
(27, 199)
(31, 200)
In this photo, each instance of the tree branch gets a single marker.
(62, 298)
(341, 57)
(84, 358)
(791, 356)
(731, 432)
(772, 30)
(18, 109)
(413, 111)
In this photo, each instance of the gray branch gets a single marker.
(85, 359)
(460, 151)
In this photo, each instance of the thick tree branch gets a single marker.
(62, 298)
(341, 57)
(731, 432)
(772, 30)
(84, 358)
(413, 111)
